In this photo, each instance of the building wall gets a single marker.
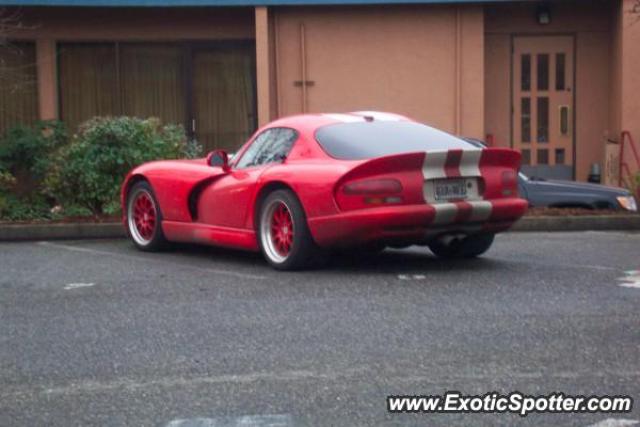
(421, 61)
(589, 21)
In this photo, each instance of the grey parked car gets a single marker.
(570, 194)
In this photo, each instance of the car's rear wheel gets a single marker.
(285, 239)
(465, 247)
(144, 218)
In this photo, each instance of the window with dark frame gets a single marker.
(560, 71)
(543, 71)
(543, 119)
(525, 72)
(542, 156)
(525, 119)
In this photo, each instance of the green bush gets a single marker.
(25, 153)
(7, 181)
(24, 208)
(88, 172)
(27, 150)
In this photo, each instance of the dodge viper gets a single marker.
(308, 184)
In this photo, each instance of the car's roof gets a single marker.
(311, 122)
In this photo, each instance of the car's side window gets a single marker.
(272, 145)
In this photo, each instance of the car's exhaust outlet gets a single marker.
(452, 239)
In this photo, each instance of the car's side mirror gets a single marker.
(219, 158)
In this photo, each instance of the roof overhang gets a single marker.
(213, 3)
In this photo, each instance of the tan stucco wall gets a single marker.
(589, 22)
(422, 61)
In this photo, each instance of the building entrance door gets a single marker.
(543, 105)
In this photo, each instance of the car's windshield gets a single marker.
(366, 140)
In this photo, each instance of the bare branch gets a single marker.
(17, 66)
(635, 10)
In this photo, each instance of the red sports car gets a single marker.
(307, 184)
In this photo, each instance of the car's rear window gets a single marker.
(366, 140)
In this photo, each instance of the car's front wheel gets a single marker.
(285, 239)
(144, 218)
(466, 247)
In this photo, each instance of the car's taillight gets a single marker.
(365, 193)
(373, 187)
(509, 183)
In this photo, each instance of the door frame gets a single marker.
(574, 112)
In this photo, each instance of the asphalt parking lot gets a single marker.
(97, 333)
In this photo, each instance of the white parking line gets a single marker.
(147, 259)
(613, 422)
(631, 279)
(553, 264)
(78, 285)
(411, 276)
(244, 421)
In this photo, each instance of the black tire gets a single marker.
(151, 238)
(468, 247)
(302, 250)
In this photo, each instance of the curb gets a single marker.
(578, 223)
(112, 230)
(15, 232)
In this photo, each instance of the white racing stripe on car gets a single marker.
(378, 116)
(433, 166)
(470, 162)
(445, 213)
(345, 118)
(481, 211)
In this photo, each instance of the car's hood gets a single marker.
(581, 187)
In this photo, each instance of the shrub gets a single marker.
(25, 153)
(89, 170)
(7, 181)
(24, 208)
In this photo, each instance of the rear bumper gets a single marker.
(415, 223)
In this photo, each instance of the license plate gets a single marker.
(450, 189)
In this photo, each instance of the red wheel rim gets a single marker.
(282, 229)
(144, 215)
